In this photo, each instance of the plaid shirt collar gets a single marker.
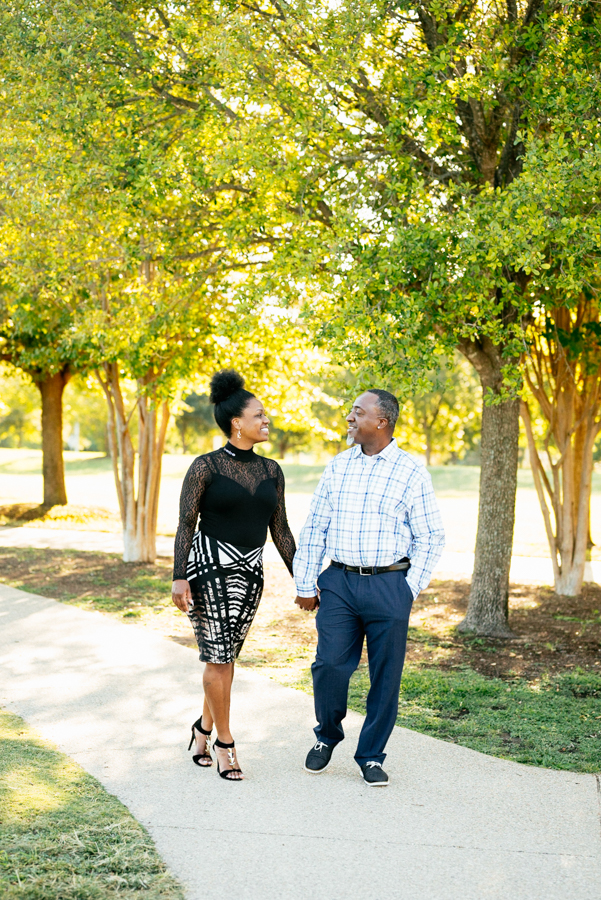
(390, 452)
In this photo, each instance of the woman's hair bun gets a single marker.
(224, 384)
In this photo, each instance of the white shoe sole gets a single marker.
(373, 783)
(317, 771)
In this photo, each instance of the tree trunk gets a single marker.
(183, 434)
(152, 432)
(138, 513)
(51, 389)
(569, 499)
(565, 381)
(487, 611)
(428, 448)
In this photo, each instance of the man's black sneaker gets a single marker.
(318, 757)
(374, 775)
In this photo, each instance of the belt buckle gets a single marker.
(361, 572)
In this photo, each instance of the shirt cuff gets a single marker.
(306, 592)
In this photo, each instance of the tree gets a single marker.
(407, 120)
(19, 415)
(562, 360)
(36, 314)
(196, 417)
(39, 245)
(547, 224)
(164, 214)
(445, 419)
(171, 220)
(563, 372)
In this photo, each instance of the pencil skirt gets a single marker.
(226, 582)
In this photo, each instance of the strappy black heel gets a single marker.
(207, 754)
(231, 759)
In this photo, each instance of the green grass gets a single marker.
(300, 479)
(448, 481)
(29, 462)
(451, 481)
(62, 836)
(555, 722)
(456, 481)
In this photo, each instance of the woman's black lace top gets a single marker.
(238, 495)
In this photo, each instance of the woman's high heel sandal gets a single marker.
(227, 773)
(207, 754)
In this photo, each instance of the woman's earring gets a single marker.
(239, 434)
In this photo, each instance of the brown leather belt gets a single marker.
(401, 566)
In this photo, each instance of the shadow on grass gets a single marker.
(63, 837)
(21, 513)
(67, 516)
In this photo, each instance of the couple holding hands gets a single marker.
(373, 514)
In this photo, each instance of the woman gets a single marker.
(218, 569)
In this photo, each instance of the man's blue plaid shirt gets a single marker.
(371, 511)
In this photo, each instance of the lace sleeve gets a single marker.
(279, 527)
(197, 479)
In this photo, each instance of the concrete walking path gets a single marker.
(453, 565)
(452, 825)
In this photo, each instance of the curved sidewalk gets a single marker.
(452, 825)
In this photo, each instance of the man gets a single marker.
(375, 516)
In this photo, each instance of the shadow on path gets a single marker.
(453, 825)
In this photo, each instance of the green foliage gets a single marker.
(442, 165)
(145, 201)
(444, 420)
(19, 412)
(84, 405)
(195, 421)
(418, 177)
(152, 207)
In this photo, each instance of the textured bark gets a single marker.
(487, 611)
(567, 511)
(51, 389)
(139, 510)
(488, 603)
(564, 378)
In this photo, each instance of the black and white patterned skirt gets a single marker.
(226, 583)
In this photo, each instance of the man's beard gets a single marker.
(350, 440)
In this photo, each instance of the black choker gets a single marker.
(237, 453)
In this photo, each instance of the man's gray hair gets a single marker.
(389, 405)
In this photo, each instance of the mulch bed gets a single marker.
(553, 634)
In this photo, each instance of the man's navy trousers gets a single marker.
(353, 607)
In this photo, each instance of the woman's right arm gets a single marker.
(195, 483)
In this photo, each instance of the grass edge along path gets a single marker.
(553, 722)
(546, 718)
(62, 835)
